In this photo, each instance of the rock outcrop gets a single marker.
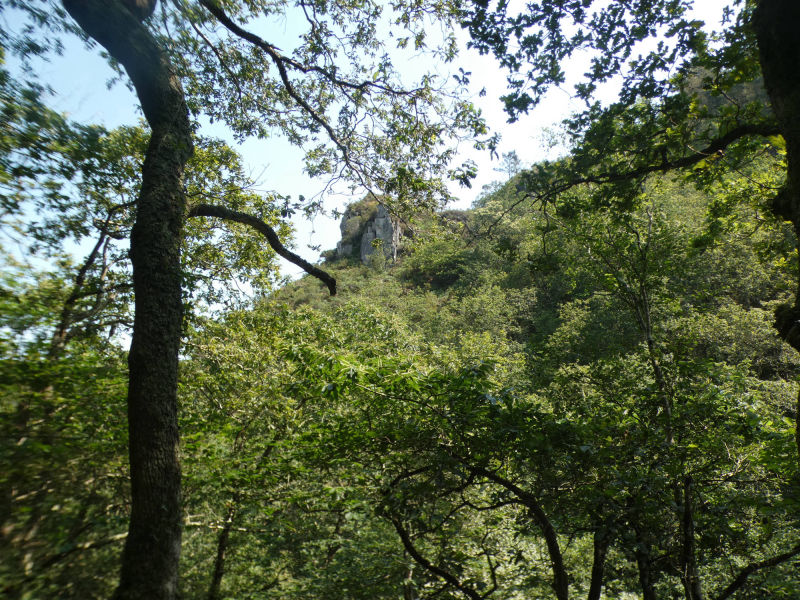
(367, 227)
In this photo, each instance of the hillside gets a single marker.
(577, 396)
(524, 399)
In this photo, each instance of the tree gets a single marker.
(65, 501)
(291, 520)
(511, 164)
(693, 101)
(62, 439)
(639, 451)
(337, 95)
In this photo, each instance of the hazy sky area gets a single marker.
(79, 79)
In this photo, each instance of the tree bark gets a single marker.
(775, 24)
(602, 539)
(150, 558)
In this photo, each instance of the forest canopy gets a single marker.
(583, 386)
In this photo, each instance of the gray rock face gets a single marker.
(384, 228)
(362, 224)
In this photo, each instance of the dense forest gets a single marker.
(583, 386)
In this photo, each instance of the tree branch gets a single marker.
(752, 568)
(78, 547)
(59, 338)
(276, 56)
(715, 147)
(427, 565)
(280, 62)
(221, 212)
(560, 579)
(220, 59)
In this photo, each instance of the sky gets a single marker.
(80, 78)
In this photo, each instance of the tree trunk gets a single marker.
(775, 23)
(150, 558)
(602, 539)
(689, 573)
(644, 565)
(215, 587)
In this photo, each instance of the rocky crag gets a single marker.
(367, 227)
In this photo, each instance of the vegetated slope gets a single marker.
(651, 418)
(533, 400)
(516, 270)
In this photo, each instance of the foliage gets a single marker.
(363, 445)
(614, 379)
(547, 397)
(65, 498)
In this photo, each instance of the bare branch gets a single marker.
(221, 212)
